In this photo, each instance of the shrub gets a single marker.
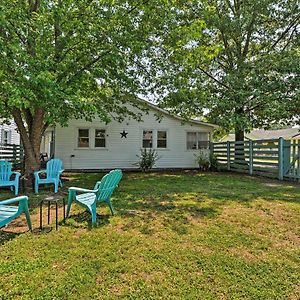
(202, 159)
(206, 161)
(213, 162)
(147, 159)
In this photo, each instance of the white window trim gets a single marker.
(94, 139)
(8, 137)
(154, 138)
(197, 131)
(92, 131)
(167, 139)
(77, 138)
(142, 139)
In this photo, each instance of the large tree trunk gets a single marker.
(239, 135)
(239, 151)
(31, 126)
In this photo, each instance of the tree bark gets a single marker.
(239, 151)
(31, 137)
(239, 135)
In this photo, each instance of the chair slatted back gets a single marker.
(5, 170)
(108, 184)
(54, 166)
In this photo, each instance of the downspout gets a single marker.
(53, 143)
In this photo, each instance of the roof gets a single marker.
(166, 112)
(260, 134)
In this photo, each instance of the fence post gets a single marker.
(251, 157)
(228, 155)
(14, 153)
(280, 158)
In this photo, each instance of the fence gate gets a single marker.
(272, 158)
(291, 155)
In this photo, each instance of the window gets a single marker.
(147, 138)
(5, 137)
(197, 140)
(191, 140)
(100, 138)
(83, 138)
(161, 139)
(203, 140)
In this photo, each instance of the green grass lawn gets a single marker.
(174, 236)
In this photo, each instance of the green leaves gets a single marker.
(54, 53)
(244, 67)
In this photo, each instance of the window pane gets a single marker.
(99, 143)
(5, 137)
(100, 133)
(147, 144)
(147, 139)
(161, 139)
(161, 144)
(83, 133)
(203, 140)
(83, 138)
(191, 140)
(100, 138)
(83, 142)
(162, 135)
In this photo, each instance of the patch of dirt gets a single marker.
(296, 293)
(247, 255)
(273, 184)
(19, 225)
(198, 248)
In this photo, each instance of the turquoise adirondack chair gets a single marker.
(9, 212)
(101, 193)
(6, 176)
(53, 172)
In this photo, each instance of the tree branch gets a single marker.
(294, 22)
(248, 37)
(28, 117)
(213, 78)
(88, 65)
(17, 33)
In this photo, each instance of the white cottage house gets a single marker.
(95, 146)
(9, 133)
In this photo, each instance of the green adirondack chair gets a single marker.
(9, 212)
(6, 178)
(101, 193)
(53, 172)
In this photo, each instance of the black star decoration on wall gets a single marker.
(123, 134)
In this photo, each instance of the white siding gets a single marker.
(122, 152)
(14, 136)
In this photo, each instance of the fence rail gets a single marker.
(13, 153)
(272, 158)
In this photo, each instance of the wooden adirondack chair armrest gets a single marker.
(14, 200)
(61, 171)
(81, 190)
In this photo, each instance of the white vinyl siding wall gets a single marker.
(122, 152)
(13, 135)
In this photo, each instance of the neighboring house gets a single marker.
(9, 133)
(260, 134)
(95, 145)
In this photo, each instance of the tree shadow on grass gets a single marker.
(6, 236)
(84, 219)
(143, 214)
